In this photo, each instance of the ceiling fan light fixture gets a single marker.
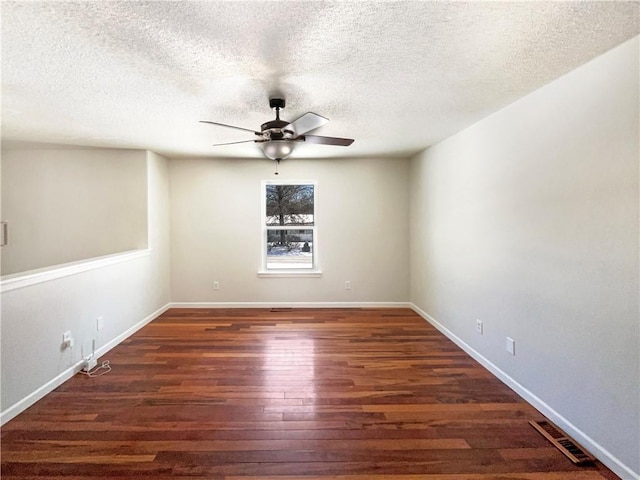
(277, 149)
(278, 138)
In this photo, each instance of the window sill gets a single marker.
(289, 274)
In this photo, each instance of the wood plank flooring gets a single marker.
(252, 394)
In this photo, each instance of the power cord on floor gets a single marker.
(98, 371)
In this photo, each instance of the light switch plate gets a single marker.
(511, 346)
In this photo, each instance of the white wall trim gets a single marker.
(54, 383)
(291, 305)
(587, 442)
(289, 274)
(595, 448)
(33, 277)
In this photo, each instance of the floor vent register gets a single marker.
(566, 445)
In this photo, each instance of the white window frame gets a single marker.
(315, 271)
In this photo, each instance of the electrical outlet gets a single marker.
(511, 346)
(67, 340)
(479, 326)
(216, 285)
(100, 323)
(347, 285)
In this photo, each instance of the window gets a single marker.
(289, 226)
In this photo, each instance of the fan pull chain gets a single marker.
(277, 163)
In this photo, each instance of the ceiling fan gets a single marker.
(278, 138)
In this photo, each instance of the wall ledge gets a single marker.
(33, 277)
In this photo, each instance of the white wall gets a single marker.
(125, 294)
(71, 204)
(528, 221)
(362, 216)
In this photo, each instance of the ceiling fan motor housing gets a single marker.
(276, 130)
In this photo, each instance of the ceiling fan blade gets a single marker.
(233, 143)
(231, 126)
(343, 142)
(307, 122)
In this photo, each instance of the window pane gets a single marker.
(290, 205)
(290, 248)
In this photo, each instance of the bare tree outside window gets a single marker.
(289, 209)
(290, 205)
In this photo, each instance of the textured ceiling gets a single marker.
(396, 76)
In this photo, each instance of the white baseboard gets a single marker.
(596, 449)
(587, 442)
(21, 405)
(54, 383)
(291, 305)
(127, 333)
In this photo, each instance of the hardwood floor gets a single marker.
(340, 394)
